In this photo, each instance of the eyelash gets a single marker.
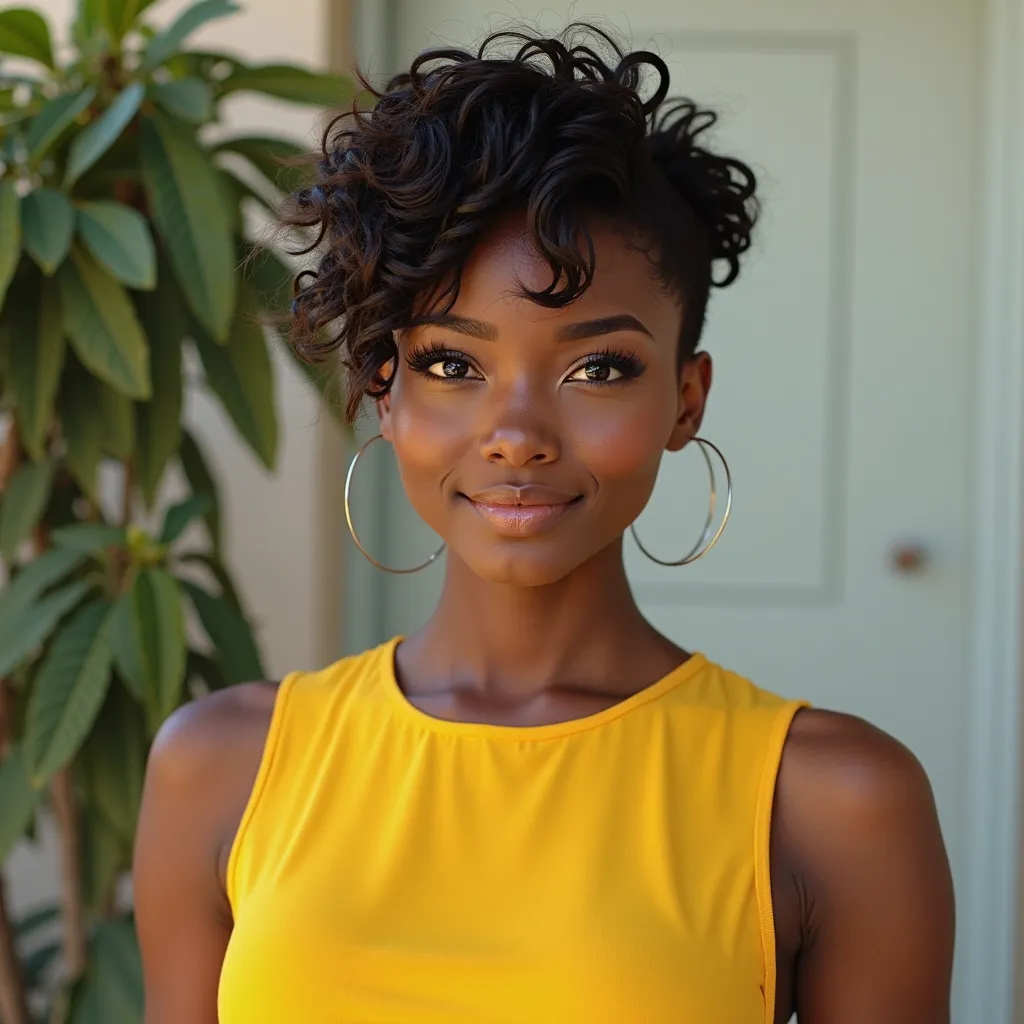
(626, 362)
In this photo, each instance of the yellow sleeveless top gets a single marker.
(394, 868)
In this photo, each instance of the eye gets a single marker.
(596, 372)
(609, 367)
(451, 369)
(440, 363)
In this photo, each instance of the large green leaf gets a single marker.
(24, 33)
(202, 481)
(118, 236)
(287, 82)
(187, 206)
(227, 628)
(241, 375)
(168, 42)
(95, 140)
(24, 632)
(117, 423)
(104, 856)
(89, 537)
(119, 16)
(113, 762)
(23, 503)
(101, 323)
(18, 800)
(268, 277)
(187, 98)
(267, 154)
(82, 429)
(48, 222)
(10, 235)
(35, 361)
(217, 570)
(206, 670)
(111, 991)
(237, 191)
(68, 691)
(158, 421)
(32, 581)
(127, 648)
(149, 642)
(180, 515)
(267, 291)
(53, 120)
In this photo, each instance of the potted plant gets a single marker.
(123, 249)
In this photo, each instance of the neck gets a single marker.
(585, 632)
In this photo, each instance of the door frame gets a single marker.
(991, 931)
(988, 949)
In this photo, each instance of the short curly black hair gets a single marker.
(547, 126)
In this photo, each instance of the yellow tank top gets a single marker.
(393, 868)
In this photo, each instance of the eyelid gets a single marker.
(628, 363)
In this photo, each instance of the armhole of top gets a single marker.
(762, 849)
(270, 747)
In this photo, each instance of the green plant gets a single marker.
(123, 243)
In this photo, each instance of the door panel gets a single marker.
(843, 358)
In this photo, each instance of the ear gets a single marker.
(384, 415)
(694, 385)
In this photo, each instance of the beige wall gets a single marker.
(281, 530)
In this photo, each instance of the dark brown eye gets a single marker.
(452, 369)
(596, 373)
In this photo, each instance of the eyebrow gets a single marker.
(570, 332)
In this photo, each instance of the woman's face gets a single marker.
(530, 438)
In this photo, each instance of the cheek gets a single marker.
(427, 432)
(622, 441)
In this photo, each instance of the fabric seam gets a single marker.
(658, 690)
(762, 850)
(267, 758)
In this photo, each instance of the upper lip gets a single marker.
(521, 494)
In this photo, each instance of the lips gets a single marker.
(521, 511)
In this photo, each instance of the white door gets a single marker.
(844, 355)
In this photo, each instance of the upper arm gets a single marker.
(858, 823)
(200, 773)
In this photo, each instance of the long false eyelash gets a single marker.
(421, 359)
(627, 362)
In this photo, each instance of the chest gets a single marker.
(513, 899)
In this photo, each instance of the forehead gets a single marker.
(506, 262)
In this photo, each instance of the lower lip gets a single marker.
(521, 520)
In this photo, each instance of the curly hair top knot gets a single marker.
(408, 189)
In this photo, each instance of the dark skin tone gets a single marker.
(539, 627)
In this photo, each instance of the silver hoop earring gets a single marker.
(351, 526)
(704, 544)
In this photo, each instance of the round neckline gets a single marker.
(550, 730)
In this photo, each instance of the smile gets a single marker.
(522, 512)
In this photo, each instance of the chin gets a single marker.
(519, 568)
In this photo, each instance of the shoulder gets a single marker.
(203, 765)
(215, 732)
(840, 767)
(855, 820)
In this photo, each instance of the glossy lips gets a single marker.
(521, 511)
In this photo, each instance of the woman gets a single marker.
(536, 808)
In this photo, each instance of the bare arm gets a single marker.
(858, 823)
(200, 773)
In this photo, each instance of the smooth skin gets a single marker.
(541, 627)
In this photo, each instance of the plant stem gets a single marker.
(13, 1006)
(64, 810)
(10, 455)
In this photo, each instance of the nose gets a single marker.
(520, 432)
